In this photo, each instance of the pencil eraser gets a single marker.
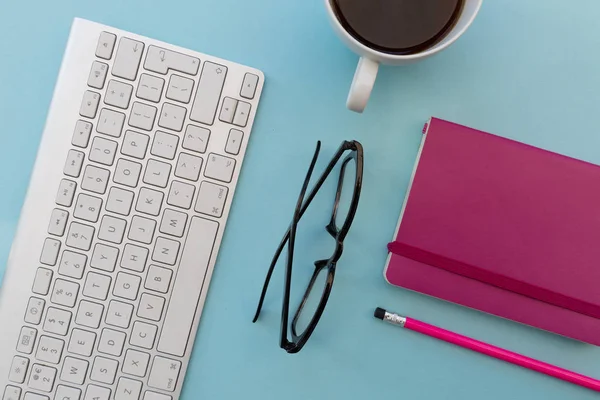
(379, 313)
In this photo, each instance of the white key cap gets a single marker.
(112, 229)
(228, 109)
(87, 207)
(66, 192)
(67, 393)
(164, 145)
(219, 167)
(188, 167)
(119, 201)
(180, 89)
(161, 60)
(35, 309)
(42, 378)
(12, 393)
(127, 286)
(89, 104)
(164, 373)
(158, 279)
(127, 60)
(127, 172)
(249, 86)
(80, 236)
(181, 195)
(142, 116)
(96, 286)
(196, 138)
(89, 314)
(156, 396)
(134, 257)
(172, 117)
(103, 151)
(72, 264)
(119, 314)
(58, 222)
(242, 112)
(135, 144)
(104, 49)
(74, 370)
(18, 369)
(128, 389)
(165, 251)
(111, 342)
(118, 94)
(208, 93)
(82, 133)
(26, 340)
(234, 142)
(49, 349)
(50, 251)
(94, 392)
(157, 173)
(57, 321)
(110, 122)
(142, 229)
(97, 75)
(104, 257)
(149, 201)
(173, 223)
(143, 335)
(150, 88)
(73, 164)
(104, 370)
(136, 363)
(33, 396)
(188, 286)
(41, 283)
(211, 199)
(150, 307)
(64, 293)
(95, 179)
(82, 342)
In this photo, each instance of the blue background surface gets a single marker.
(527, 70)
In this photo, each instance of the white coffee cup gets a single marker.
(368, 65)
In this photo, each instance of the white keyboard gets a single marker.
(123, 219)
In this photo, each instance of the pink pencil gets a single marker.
(488, 349)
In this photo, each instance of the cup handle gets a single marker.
(362, 84)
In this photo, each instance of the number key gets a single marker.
(57, 321)
(64, 293)
(87, 207)
(42, 378)
(49, 349)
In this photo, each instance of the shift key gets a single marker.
(208, 93)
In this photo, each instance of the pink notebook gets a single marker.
(502, 227)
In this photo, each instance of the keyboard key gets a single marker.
(119, 314)
(211, 199)
(72, 264)
(18, 369)
(127, 172)
(80, 236)
(50, 251)
(112, 229)
(142, 116)
(249, 86)
(228, 109)
(234, 142)
(87, 207)
(173, 223)
(67, 393)
(164, 145)
(89, 104)
(150, 307)
(105, 46)
(165, 251)
(188, 167)
(158, 279)
(104, 257)
(143, 335)
(135, 144)
(74, 163)
(82, 342)
(35, 309)
(96, 286)
(66, 192)
(161, 60)
(110, 122)
(242, 112)
(149, 201)
(181, 195)
(49, 349)
(208, 93)
(89, 314)
(118, 94)
(157, 173)
(119, 201)
(42, 378)
(26, 340)
(64, 293)
(127, 59)
(134, 257)
(164, 373)
(219, 167)
(57, 321)
(180, 89)
(150, 88)
(128, 389)
(58, 222)
(196, 138)
(82, 133)
(41, 283)
(97, 75)
(33, 396)
(172, 117)
(95, 179)
(127, 286)
(11, 393)
(111, 342)
(155, 396)
(94, 392)
(103, 151)
(104, 370)
(142, 229)
(136, 363)
(74, 370)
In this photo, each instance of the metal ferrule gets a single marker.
(395, 319)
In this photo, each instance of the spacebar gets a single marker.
(188, 286)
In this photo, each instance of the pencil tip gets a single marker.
(379, 313)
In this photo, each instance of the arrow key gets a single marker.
(241, 114)
(234, 141)
(228, 109)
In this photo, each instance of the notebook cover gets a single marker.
(502, 227)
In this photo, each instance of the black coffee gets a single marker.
(398, 26)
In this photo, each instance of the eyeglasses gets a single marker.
(338, 227)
